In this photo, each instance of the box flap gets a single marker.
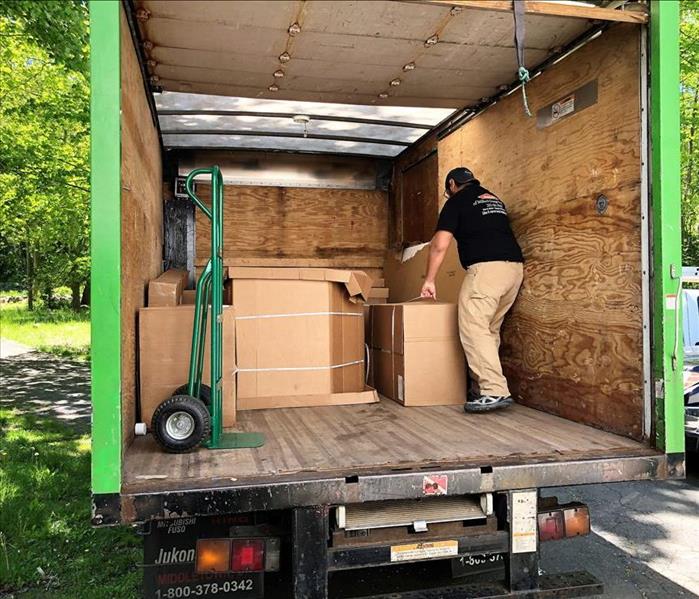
(357, 282)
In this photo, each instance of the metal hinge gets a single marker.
(660, 389)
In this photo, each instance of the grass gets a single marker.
(61, 331)
(48, 548)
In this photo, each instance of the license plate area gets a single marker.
(468, 565)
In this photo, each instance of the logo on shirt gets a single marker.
(490, 204)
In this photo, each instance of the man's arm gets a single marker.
(438, 249)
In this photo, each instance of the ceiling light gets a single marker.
(284, 57)
(395, 82)
(294, 29)
(273, 88)
(278, 74)
(431, 41)
(302, 119)
(142, 15)
(409, 67)
(383, 95)
(455, 10)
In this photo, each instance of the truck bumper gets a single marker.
(139, 504)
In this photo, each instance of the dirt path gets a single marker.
(9, 348)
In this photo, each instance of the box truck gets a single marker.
(334, 124)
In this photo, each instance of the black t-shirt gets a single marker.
(479, 222)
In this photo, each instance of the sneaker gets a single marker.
(486, 403)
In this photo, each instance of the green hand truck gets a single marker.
(193, 416)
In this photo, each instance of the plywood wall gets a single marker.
(573, 342)
(414, 197)
(345, 228)
(141, 216)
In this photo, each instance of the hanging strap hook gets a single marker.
(523, 73)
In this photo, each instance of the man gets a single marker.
(493, 261)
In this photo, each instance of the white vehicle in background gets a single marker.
(690, 314)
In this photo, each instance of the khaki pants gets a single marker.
(488, 292)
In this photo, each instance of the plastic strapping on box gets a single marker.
(367, 357)
(393, 353)
(299, 368)
(256, 316)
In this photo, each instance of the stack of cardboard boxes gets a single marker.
(296, 337)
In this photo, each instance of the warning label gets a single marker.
(435, 484)
(523, 525)
(418, 551)
(563, 107)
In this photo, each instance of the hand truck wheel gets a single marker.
(204, 393)
(181, 423)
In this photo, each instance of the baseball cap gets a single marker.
(460, 175)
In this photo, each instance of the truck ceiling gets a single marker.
(235, 74)
(207, 121)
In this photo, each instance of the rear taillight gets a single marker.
(248, 555)
(213, 555)
(237, 555)
(577, 520)
(563, 521)
(551, 526)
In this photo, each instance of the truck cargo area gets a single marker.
(334, 135)
(348, 441)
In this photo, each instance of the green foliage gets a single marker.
(44, 142)
(61, 332)
(59, 27)
(47, 546)
(689, 56)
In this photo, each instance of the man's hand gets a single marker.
(429, 290)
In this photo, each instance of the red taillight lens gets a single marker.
(568, 520)
(248, 555)
(551, 527)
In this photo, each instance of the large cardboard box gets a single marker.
(417, 356)
(405, 273)
(166, 290)
(300, 337)
(165, 338)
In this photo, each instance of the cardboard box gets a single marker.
(378, 293)
(417, 356)
(167, 289)
(300, 337)
(165, 338)
(405, 273)
(189, 295)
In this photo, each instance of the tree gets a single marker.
(689, 65)
(44, 146)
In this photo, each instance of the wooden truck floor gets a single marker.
(374, 438)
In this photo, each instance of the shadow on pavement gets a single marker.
(644, 541)
(42, 385)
